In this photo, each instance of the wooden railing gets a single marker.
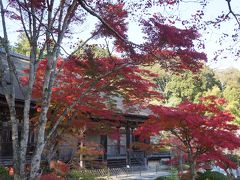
(160, 155)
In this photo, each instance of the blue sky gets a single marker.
(211, 36)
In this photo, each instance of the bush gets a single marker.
(52, 176)
(186, 176)
(161, 178)
(212, 175)
(59, 167)
(4, 174)
(76, 175)
(47, 170)
(3, 170)
(167, 178)
(173, 175)
(6, 177)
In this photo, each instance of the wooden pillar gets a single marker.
(118, 141)
(128, 144)
(132, 135)
(1, 127)
(0, 138)
(103, 142)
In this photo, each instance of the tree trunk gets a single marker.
(24, 139)
(9, 92)
(81, 156)
(46, 99)
(181, 161)
(192, 170)
(26, 111)
(36, 159)
(81, 138)
(192, 165)
(15, 144)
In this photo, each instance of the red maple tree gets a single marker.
(205, 130)
(89, 84)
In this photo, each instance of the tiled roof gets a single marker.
(21, 62)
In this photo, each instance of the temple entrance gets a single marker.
(6, 142)
(5, 133)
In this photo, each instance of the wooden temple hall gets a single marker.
(117, 152)
(20, 62)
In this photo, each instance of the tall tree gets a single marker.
(47, 23)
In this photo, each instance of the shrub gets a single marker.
(4, 174)
(161, 178)
(59, 167)
(3, 170)
(167, 178)
(51, 176)
(185, 176)
(47, 170)
(212, 175)
(76, 175)
(173, 175)
(6, 177)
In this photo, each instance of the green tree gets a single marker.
(229, 77)
(230, 80)
(188, 86)
(22, 46)
(215, 91)
(96, 50)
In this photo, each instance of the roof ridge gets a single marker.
(17, 55)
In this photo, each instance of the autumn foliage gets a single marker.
(76, 86)
(90, 83)
(162, 40)
(85, 83)
(204, 130)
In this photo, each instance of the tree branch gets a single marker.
(69, 108)
(90, 11)
(233, 13)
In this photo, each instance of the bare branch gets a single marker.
(49, 30)
(233, 13)
(40, 23)
(22, 21)
(108, 49)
